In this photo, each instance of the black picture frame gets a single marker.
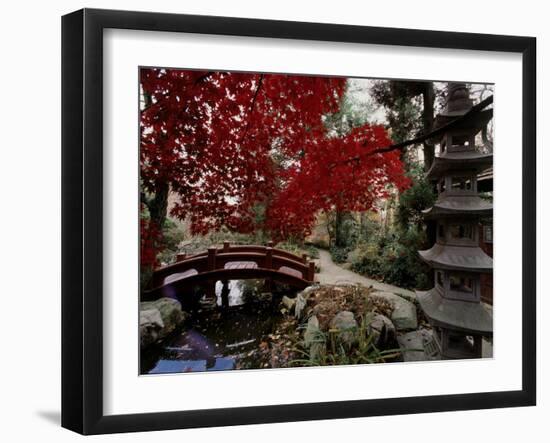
(82, 218)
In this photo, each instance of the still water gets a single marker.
(216, 338)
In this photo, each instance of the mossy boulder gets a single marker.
(346, 326)
(158, 318)
(404, 312)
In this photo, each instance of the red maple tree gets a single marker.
(226, 142)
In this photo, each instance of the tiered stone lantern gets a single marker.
(453, 307)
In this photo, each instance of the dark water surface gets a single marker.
(216, 338)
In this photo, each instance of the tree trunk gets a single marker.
(330, 228)
(429, 151)
(338, 219)
(428, 96)
(158, 206)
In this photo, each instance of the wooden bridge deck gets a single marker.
(237, 262)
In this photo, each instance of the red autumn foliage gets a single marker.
(327, 180)
(226, 142)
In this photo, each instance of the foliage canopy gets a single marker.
(228, 143)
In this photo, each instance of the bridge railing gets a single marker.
(265, 257)
(228, 247)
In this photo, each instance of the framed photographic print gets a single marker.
(261, 218)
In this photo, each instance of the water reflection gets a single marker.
(218, 337)
(172, 366)
(238, 292)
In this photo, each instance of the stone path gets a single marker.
(333, 274)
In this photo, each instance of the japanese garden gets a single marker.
(300, 221)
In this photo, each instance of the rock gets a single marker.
(170, 311)
(407, 295)
(299, 306)
(414, 345)
(312, 331)
(313, 340)
(288, 302)
(404, 312)
(150, 325)
(159, 318)
(486, 348)
(383, 330)
(345, 322)
(301, 301)
(307, 291)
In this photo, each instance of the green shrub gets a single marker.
(172, 236)
(339, 255)
(415, 199)
(298, 249)
(393, 259)
(366, 259)
(348, 232)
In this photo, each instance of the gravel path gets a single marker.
(332, 274)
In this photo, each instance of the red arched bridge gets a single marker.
(231, 262)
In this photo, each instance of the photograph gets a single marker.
(293, 220)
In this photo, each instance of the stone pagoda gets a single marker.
(453, 307)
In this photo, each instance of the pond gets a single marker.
(223, 336)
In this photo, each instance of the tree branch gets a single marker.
(442, 129)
